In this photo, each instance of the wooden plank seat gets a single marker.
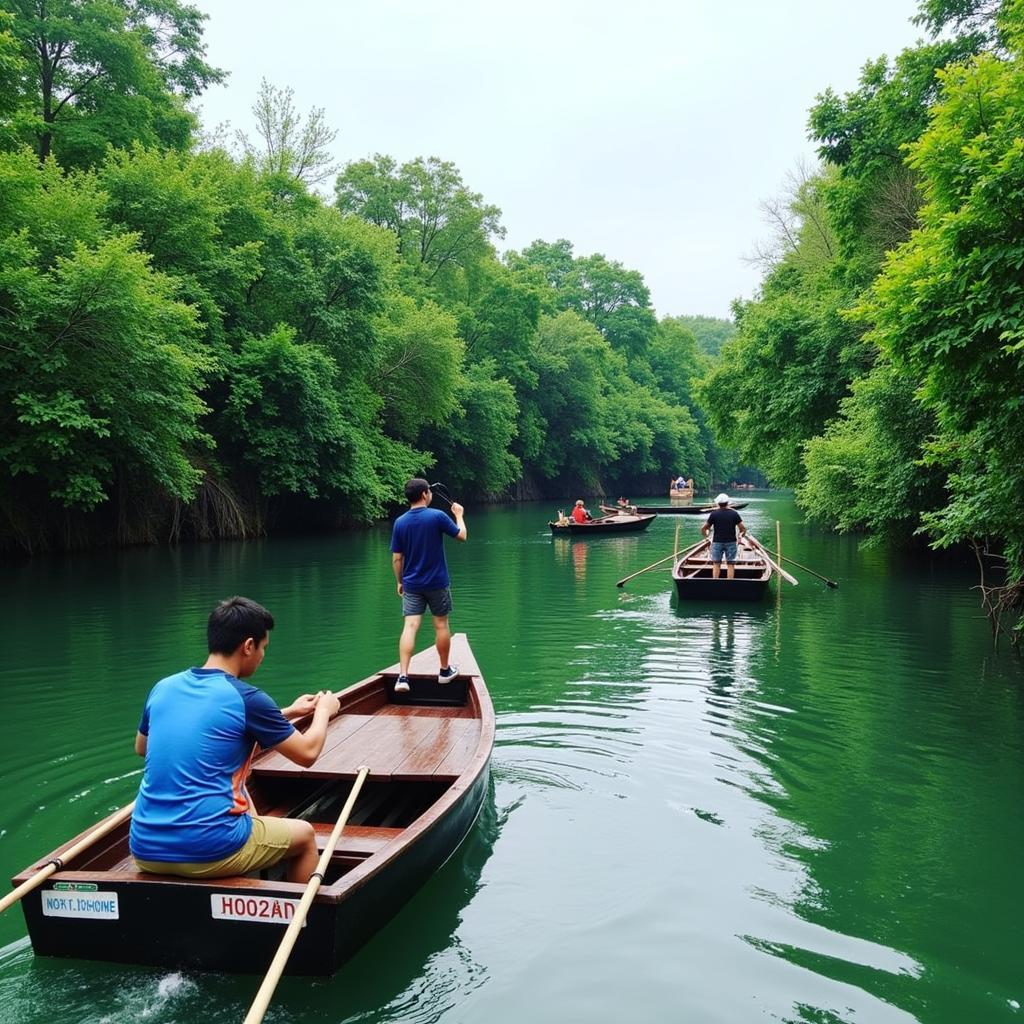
(360, 840)
(396, 747)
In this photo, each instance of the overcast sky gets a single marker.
(646, 130)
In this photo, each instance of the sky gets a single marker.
(649, 131)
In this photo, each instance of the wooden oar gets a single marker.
(68, 855)
(771, 561)
(653, 565)
(277, 965)
(824, 579)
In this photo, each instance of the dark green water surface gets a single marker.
(806, 810)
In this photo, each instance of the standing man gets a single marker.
(724, 521)
(198, 734)
(417, 558)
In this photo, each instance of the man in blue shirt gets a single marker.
(417, 558)
(198, 733)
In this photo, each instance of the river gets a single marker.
(805, 810)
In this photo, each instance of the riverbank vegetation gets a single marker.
(881, 367)
(198, 343)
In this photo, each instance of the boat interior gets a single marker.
(696, 565)
(416, 746)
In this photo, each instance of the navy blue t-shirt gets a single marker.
(418, 536)
(724, 521)
(201, 727)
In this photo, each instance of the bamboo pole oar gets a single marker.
(68, 855)
(771, 561)
(277, 965)
(653, 565)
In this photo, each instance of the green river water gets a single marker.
(806, 810)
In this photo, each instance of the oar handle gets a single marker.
(277, 965)
(68, 855)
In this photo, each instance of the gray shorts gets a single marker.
(438, 601)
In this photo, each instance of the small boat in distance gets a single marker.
(428, 752)
(694, 581)
(616, 522)
(687, 510)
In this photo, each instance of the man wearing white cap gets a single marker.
(724, 521)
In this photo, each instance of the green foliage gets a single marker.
(710, 332)
(109, 71)
(418, 368)
(949, 306)
(291, 146)
(864, 471)
(284, 418)
(780, 380)
(441, 226)
(99, 372)
(472, 449)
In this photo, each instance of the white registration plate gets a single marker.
(264, 909)
(95, 906)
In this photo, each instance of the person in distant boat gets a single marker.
(581, 514)
(725, 522)
(198, 733)
(563, 519)
(417, 558)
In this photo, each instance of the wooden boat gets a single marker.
(617, 522)
(681, 493)
(688, 510)
(429, 754)
(693, 578)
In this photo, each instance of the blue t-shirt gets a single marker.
(418, 536)
(201, 727)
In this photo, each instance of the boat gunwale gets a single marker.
(480, 701)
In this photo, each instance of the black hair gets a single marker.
(415, 489)
(233, 621)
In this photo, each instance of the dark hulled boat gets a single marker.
(616, 522)
(688, 510)
(694, 581)
(429, 754)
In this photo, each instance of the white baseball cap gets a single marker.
(722, 499)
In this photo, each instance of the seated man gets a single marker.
(579, 513)
(198, 733)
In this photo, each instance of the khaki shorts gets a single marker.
(267, 844)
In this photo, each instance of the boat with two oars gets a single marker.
(404, 775)
(695, 578)
(687, 510)
(616, 520)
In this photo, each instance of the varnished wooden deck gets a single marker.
(400, 742)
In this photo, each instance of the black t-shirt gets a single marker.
(724, 522)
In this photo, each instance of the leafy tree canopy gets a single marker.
(109, 71)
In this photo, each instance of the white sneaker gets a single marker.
(402, 684)
(446, 675)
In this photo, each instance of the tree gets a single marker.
(440, 225)
(949, 307)
(110, 71)
(291, 147)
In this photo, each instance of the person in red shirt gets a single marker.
(579, 513)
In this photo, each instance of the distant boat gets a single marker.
(693, 579)
(617, 522)
(687, 510)
(428, 751)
